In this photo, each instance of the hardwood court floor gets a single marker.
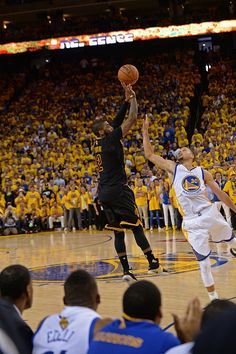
(51, 257)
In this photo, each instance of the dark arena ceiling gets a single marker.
(35, 10)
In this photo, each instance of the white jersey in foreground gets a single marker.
(66, 333)
(190, 190)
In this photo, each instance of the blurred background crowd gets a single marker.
(48, 172)
(48, 176)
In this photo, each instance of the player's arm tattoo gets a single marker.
(120, 115)
(133, 114)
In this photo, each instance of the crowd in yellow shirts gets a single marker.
(48, 171)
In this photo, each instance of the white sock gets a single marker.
(213, 295)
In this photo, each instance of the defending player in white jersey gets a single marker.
(70, 331)
(201, 218)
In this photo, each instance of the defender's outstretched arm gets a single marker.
(217, 191)
(158, 161)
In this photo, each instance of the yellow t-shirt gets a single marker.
(21, 212)
(140, 201)
(56, 211)
(230, 188)
(19, 200)
(154, 203)
(74, 199)
(66, 202)
(33, 198)
(139, 162)
(36, 210)
(44, 212)
(84, 199)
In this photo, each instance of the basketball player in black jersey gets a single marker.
(114, 194)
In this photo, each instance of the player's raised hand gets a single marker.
(129, 92)
(146, 123)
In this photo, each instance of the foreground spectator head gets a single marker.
(214, 309)
(81, 290)
(143, 300)
(218, 336)
(139, 330)
(71, 330)
(16, 286)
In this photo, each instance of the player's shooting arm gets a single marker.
(217, 191)
(120, 115)
(133, 114)
(117, 122)
(158, 161)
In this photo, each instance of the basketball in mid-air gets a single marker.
(128, 74)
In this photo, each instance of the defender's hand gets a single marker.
(146, 123)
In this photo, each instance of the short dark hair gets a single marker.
(142, 300)
(14, 280)
(97, 126)
(214, 309)
(80, 288)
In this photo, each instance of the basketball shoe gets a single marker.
(129, 277)
(155, 267)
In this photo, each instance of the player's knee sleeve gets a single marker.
(120, 241)
(140, 237)
(205, 268)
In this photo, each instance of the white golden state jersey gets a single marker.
(66, 333)
(190, 190)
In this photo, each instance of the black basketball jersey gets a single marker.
(110, 162)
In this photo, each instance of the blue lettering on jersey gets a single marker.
(59, 336)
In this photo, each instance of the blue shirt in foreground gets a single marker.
(128, 336)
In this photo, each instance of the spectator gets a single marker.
(32, 197)
(177, 215)
(59, 181)
(74, 212)
(211, 314)
(141, 199)
(72, 329)
(9, 194)
(10, 222)
(139, 330)
(221, 183)
(85, 201)
(215, 339)
(56, 215)
(154, 205)
(167, 206)
(16, 296)
(48, 192)
(230, 189)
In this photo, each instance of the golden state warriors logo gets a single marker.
(191, 184)
(110, 269)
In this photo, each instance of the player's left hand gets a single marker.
(146, 123)
(188, 326)
(129, 92)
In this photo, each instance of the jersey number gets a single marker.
(99, 162)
